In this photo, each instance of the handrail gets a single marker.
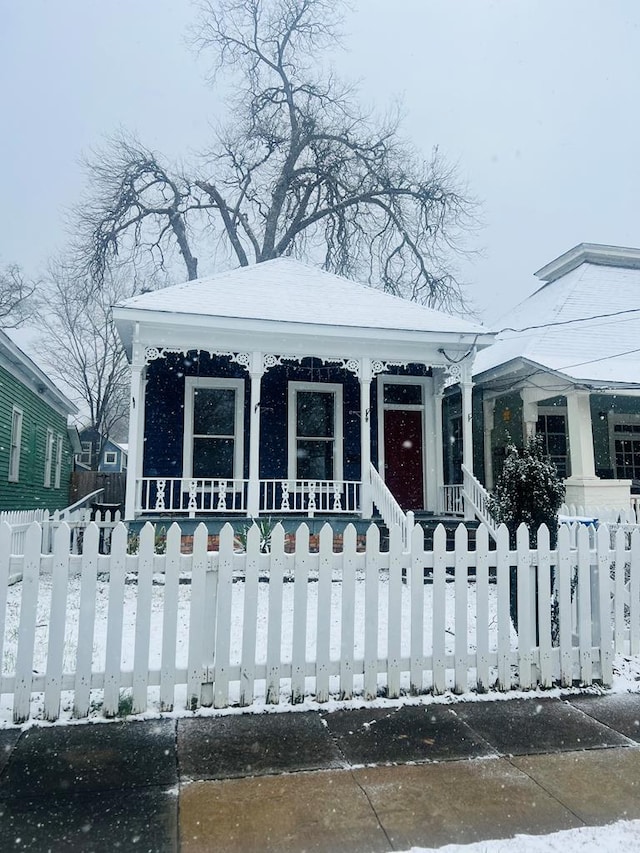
(389, 508)
(478, 497)
(64, 513)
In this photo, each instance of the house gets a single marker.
(280, 388)
(36, 450)
(566, 365)
(100, 453)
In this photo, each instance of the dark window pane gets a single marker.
(556, 445)
(315, 416)
(555, 423)
(214, 411)
(315, 460)
(398, 394)
(213, 457)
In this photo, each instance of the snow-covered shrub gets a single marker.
(528, 490)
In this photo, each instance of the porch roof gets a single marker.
(286, 296)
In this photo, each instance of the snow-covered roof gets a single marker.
(592, 298)
(287, 291)
(20, 365)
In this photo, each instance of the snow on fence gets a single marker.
(238, 627)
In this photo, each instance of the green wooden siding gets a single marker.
(30, 492)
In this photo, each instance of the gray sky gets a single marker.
(535, 100)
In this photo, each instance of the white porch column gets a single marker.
(253, 491)
(466, 388)
(437, 429)
(580, 436)
(136, 429)
(529, 411)
(366, 376)
(488, 407)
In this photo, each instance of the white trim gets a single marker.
(112, 453)
(48, 458)
(426, 383)
(335, 388)
(15, 442)
(193, 382)
(58, 467)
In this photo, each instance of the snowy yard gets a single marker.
(236, 624)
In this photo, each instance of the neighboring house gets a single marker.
(36, 450)
(567, 366)
(282, 388)
(101, 454)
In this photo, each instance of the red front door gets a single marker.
(403, 462)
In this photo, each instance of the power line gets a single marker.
(569, 322)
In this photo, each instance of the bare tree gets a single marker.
(298, 170)
(17, 300)
(82, 348)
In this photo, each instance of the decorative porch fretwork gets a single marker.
(270, 360)
(154, 353)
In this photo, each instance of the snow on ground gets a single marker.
(620, 837)
(627, 669)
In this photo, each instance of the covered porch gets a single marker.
(248, 416)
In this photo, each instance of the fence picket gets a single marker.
(349, 548)
(274, 629)
(564, 584)
(504, 615)
(300, 599)
(439, 607)
(113, 656)
(143, 618)
(605, 640)
(461, 581)
(170, 617)
(544, 607)
(416, 672)
(5, 572)
(323, 619)
(618, 591)
(482, 608)
(199, 566)
(223, 619)
(86, 622)
(371, 617)
(584, 605)
(57, 622)
(526, 629)
(27, 625)
(634, 594)
(394, 612)
(250, 617)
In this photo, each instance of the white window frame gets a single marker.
(15, 446)
(85, 457)
(335, 388)
(619, 419)
(192, 383)
(112, 453)
(48, 458)
(58, 468)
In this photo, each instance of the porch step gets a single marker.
(429, 522)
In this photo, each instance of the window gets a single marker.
(58, 461)
(110, 457)
(626, 447)
(14, 448)
(85, 456)
(48, 459)
(315, 431)
(552, 428)
(213, 446)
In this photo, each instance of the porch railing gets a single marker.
(478, 497)
(166, 495)
(310, 496)
(389, 508)
(451, 500)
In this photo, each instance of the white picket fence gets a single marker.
(235, 627)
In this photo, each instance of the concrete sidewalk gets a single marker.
(358, 780)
